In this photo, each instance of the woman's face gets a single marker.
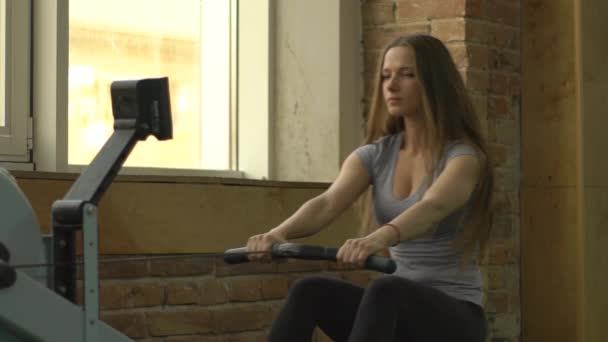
(400, 86)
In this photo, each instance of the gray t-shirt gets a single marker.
(431, 259)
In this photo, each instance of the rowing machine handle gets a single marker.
(309, 252)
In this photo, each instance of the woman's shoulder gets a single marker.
(457, 148)
(382, 146)
(387, 140)
(454, 149)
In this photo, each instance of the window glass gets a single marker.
(119, 40)
(2, 62)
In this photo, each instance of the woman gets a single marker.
(431, 182)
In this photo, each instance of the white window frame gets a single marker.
(252, 108)
(15, 137)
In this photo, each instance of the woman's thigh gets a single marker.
(426, 314)
(333, 303)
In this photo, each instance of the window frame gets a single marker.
(16, 136)
(251, 148)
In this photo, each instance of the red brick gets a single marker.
(477, 80)
(480, 104)
(378, 13)
(181, 267)
(360, 278)
(294, 265)
(475, 8)
(179, 322)
(478, 31)
(469, 55)
(501, 254)
(502, 202)
(495, 278)
(501, 155)
(499, 83)
(131, 324)
(241, 318)
(408, 9)
(378, 38)
(183, 292)
(335, 266)
(449, 30)
(504, 60)
(497, 302)
(498, 107)
(223, 269)
(505, 37)
(274, 288)
(506, 326)
(212, 292)
(244, 289)
(503, 12)
(515, 85)
(130, 295)
(124, 269)
(507, 132)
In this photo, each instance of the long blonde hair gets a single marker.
(448, 116)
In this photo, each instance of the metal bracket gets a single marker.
(91, 278)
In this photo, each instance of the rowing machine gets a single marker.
(29, 310)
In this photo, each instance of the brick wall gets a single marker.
(484, 39)
(201, 299)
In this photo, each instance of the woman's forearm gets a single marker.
(308, 220)
(413, 223)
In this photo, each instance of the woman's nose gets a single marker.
(392, 83)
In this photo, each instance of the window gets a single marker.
(71, 83)
(190, 41)
(2, 62)
(14, 80)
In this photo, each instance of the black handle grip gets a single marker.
(236, 256)
(374, 262)
(309, 252)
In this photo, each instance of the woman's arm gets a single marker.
(450, 191)
(318, 212)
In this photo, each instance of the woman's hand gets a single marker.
(356, 251)
(263, 243)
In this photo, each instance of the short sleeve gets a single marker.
(456, 150)
(452, 151)
(368, 154)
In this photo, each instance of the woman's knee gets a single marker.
(309, 287)
(391, 288)
(390, 284)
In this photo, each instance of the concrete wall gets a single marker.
(316, 116)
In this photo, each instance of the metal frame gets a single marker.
(31, 312)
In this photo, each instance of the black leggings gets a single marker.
(390, 309)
